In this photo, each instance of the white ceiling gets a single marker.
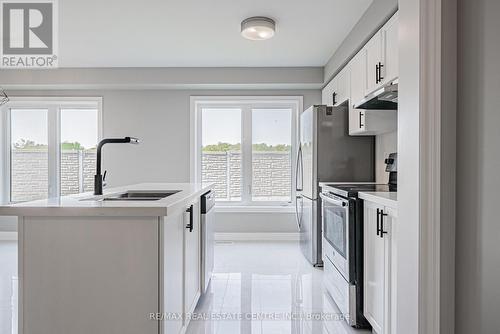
(199, 33)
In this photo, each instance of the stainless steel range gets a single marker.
(342, 218)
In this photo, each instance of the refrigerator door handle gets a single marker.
(298, 217)
(299, 168)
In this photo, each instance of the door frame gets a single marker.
(427, 161)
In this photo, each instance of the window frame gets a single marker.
(245, 104)
(53, 105)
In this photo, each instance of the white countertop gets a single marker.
(87, 204)
(389, 199)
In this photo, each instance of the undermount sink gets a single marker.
(135, 195)
(140, 195)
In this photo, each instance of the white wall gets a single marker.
(478, 168)
(160, 119)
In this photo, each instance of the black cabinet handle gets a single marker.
(382, 215)
(334, 98)
(378, 221)
(380, 78)
(376, 74)
(190, 225)
(360, 124)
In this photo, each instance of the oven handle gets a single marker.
(334, 201)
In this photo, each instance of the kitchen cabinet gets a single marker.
(391, 49)
(372, 122)
(379, 308)
(192, 254)
(182, 256)
(372, 67)
(342, 88)
(106, 259)
(374, 63)
(358, 77)
(327, 92)
(337, 91)
(366, 122)
(382, 56)
(357, 92)
(173, 281)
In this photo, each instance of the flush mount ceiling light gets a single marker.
(258, 28)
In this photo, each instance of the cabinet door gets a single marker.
(192, 264)
(358, 89)
(88, 275)
(173, 271)
(392, 222)
(327, 92)
(391, 57)
(375, 268)
(342, 90)
(373, 61)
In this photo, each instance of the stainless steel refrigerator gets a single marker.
(326, 154)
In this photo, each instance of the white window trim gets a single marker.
(199, 102)
(53, 105)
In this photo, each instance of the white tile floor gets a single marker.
(256, 288)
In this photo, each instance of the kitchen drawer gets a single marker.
(331, 254)
(337, 286)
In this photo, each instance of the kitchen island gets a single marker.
(127, 261)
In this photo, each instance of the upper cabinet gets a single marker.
(358, 88)
(382, 56)
(374, 66)
(338, 89)
(390, 38)
(374, 63)
(358, 77)
(342, 89)
(327, 92)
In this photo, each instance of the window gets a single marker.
(246, 147)
(221, 151)
(50, 146)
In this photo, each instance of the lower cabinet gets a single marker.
(192, 252)
(181, 267)
(380, 249)
(173, 273)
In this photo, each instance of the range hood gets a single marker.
(385, 98)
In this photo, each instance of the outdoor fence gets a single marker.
(271, 174)
(29, 178)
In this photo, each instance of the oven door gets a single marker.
(335, 220)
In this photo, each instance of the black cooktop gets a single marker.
(351, 190)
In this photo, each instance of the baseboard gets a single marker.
(261, 236)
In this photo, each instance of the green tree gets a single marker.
(25, 144)
(263, 147)
(71, 146)
(222, 147)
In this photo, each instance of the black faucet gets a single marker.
(98, 178)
